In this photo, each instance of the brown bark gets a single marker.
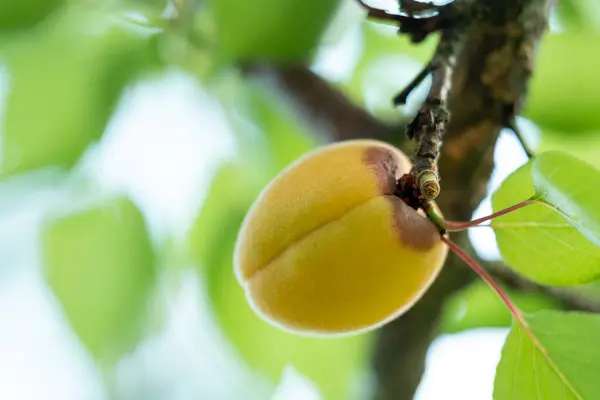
(489, 83)
(570, 298)
(325, 108)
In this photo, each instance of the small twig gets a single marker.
(412, 6)
(418, 28)
(430, 123)
(401, 98)
(428, 128)
(378, 13)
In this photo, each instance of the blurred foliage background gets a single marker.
(131, 148)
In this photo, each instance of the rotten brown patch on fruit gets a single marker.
(414, 230)
(384, 166)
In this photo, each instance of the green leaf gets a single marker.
(101, 265)
(234, 187)
(584, 147)
(333, 364)
(271, 139)
(576, 14)
(21, 14)
(270, 144)
(271, 30)
(477, 306)
(564, 91)
(64, 86)
(539, 243)
(285, 138)
(589, 292)
(572, 186)
(562, 364)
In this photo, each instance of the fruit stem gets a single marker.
(514, 310)
(434, 217)
(454, 226)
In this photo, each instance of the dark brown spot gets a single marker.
(384, 164)
(414, 230)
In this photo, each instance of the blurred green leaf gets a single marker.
(576, 15)
(539, 243)
(573, 187)
(565, 91)
(101, 265)
(270, 139)
(477, 306)
(285, 139)
(234, 187)
(64, 85)
(584, 147)
(20, 14)
(271, 31)
(563, 364)
(332, 364)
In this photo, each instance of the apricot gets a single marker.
(327, 248)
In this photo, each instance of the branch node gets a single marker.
(429, 184)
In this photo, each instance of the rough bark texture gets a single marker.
(489, 84)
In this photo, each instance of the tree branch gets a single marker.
(430, 124)
(412, 22)
(324, 107)
(488, 87)
(571, 298)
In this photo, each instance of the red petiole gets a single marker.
(514, 310)
(453, 226)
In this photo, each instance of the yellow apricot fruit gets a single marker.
(328, 249)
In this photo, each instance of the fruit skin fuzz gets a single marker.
(328, 249)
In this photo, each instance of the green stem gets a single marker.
(434, 217)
